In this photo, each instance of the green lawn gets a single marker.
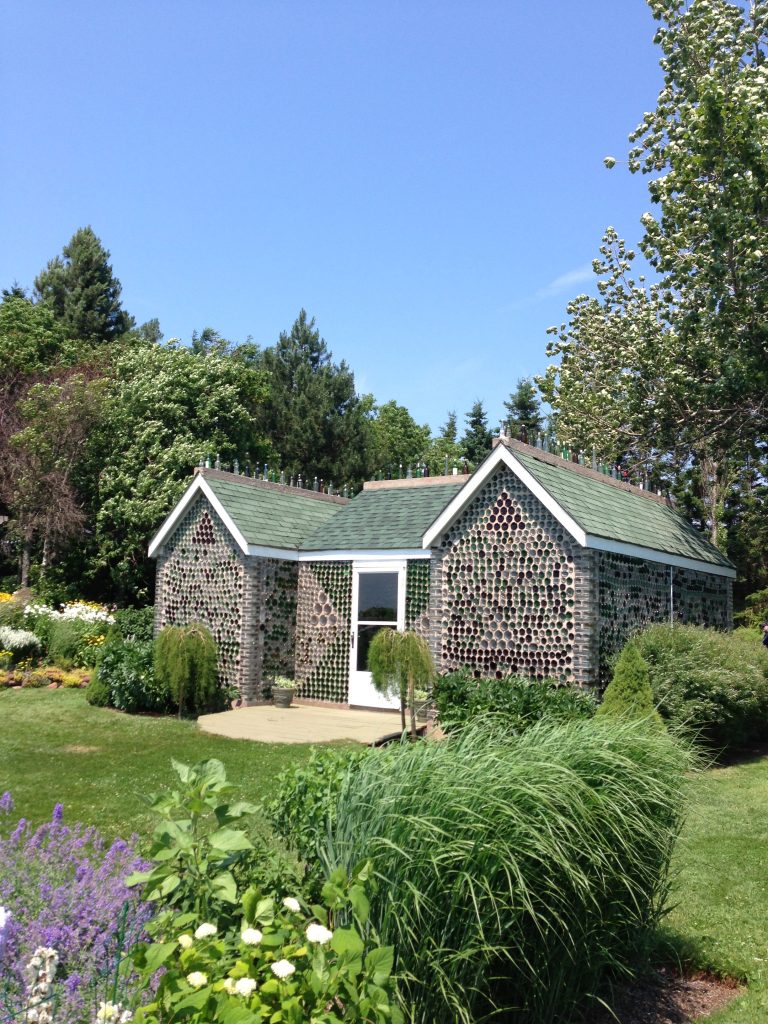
(722, 884)
(55, 747)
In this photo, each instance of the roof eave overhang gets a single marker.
(199, 485)
(355, 554)
(664, 557)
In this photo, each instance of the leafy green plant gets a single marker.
(279, 961)
(126, 667)
(303, 807)
(194, 848)
(514, 872)
(186, 664)
(135, 623)
(400, 662)
(755, 610)
(629, 693)
(71, 641)
(460, 699)
(712, 684)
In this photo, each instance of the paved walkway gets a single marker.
(301, 723)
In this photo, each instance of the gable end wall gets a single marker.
(511, 591)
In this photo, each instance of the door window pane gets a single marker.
(377, 599)
(364, 636)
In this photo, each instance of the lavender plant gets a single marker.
(62, 888)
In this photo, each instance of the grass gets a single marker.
(721, 864)
(721, 918)
(55, 747)
(514, 870)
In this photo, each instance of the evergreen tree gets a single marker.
(629, 693)
(476, 442)
(82, 291)
(313, 416)
(524, 410)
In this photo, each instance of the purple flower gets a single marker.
(6, 803)
(64, 888)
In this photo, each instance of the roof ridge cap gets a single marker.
(586, 471)
(267, 485)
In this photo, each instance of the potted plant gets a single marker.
(282, 691)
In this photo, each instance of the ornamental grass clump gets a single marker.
(186, 666)
(64, 888)
(515, 873)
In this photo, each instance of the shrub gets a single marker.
(20, 642)
(514, 871)
(74, 642)
(303, 807)
(135, 623)
(185, 664)
(64, 889)
(460, 698)
(629, 693)
(713, 684)
(98, 693)
(126, 668)
(755, 611)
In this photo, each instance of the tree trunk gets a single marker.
(411, 706)
(24, 568)
(402, 711)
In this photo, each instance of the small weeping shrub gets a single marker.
(186, 665)
(400, 663)
(516, 873)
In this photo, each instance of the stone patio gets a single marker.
(301, 723)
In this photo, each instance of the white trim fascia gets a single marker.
(285, 554)
(198, 484)
(370, 555)
(619, 547)
(501, 454)
(171, 520)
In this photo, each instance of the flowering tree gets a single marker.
(676, 370)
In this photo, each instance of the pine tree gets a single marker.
(313, 416)
(476, 442)
(524, 410)
(82, 291)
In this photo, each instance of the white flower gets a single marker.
(205, 931)
(292, 904)
(283, 968)
(251, 936)
(185, 940)
(245, 986)
(317, 933)
(197, 979)
(229, 985)
(107, 1011)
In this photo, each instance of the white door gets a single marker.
(378, 602)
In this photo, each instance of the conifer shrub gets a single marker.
(186, 665)
(98, 694)
(629, 693)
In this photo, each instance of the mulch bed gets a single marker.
(665, 997)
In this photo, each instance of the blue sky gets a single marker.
(425, 178)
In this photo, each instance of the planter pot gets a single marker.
(282, 696)
(422, 709)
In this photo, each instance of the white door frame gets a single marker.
(362, 692)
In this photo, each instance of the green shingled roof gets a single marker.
(385, 518)
(272, 518)
(606, 511)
